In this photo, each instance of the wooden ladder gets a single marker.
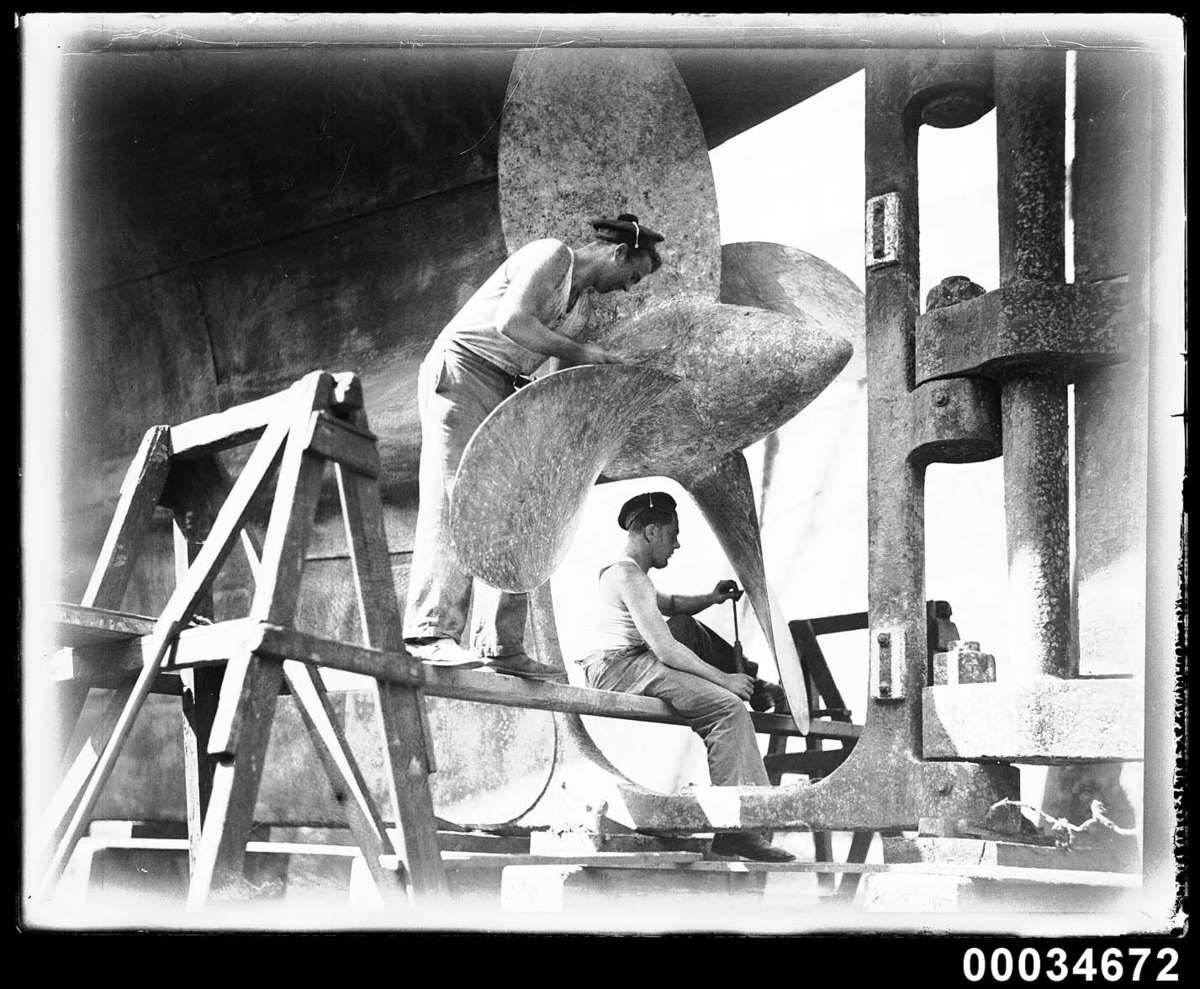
(230, 674)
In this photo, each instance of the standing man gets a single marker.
(638, 654)
(531, 309)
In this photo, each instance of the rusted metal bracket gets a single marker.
(883, 231)
(887, 664)
(1025, 323)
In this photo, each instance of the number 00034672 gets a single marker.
(1057, 964)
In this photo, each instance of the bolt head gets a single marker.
(884, 639)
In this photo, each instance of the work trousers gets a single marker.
(456, 390)
(717, 715)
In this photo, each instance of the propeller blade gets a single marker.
(726, 499)
(524, 477)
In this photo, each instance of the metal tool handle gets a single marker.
(738, 660)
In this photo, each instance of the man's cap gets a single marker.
(642, 503)
(625, 229)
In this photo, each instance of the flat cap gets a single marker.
(625, 229)
(642, 503)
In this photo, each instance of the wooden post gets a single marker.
(362, 815)
(860, 844)
(174, 616)
(401, 709)
(251, 685)
(249, 694)
(111, 574)
(228, 714)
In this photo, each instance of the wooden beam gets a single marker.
(838, 623)
(815, 666)
(81, 625)
(140, 489)
(407, 739)
(388, 667)
(610, 860)
(293, 511)
(251, 686)
(66, 796)
(204, 644)
(860, 845)
(490, 688)
(345, 444)
(200, 690)
(178, 608)
(362, 815)
(233, 427)
(816, 762)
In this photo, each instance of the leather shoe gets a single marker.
(523, 666)
(749, 845)
(443, 652)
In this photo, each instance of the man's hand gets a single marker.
(595, 354)
(740, 684)
(726, 590)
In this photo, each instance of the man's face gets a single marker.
(622, 271)
(663, 540)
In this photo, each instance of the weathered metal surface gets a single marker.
(1041, 722)
(1112, 216)
(745, 372)
(951, 89)
(884, 230)
(950, 291)
(1030, 89)
(973, 851)
(1037, 509)
(1112, 220)
(793, 282)
(597, 133)
(963, 663)
(956, 421)
(180, 156)
(1023, 323)
(1030, 112)
(525, 474)
(895, 477)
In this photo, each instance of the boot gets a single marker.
(749, 845)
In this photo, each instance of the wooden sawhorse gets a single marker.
(230, 674)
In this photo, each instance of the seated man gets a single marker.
(638, 654)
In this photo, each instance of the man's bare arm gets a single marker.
(639, 596)
(691, 604)
(528, 294)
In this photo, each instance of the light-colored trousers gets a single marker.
(717, 715)
(456, 390)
